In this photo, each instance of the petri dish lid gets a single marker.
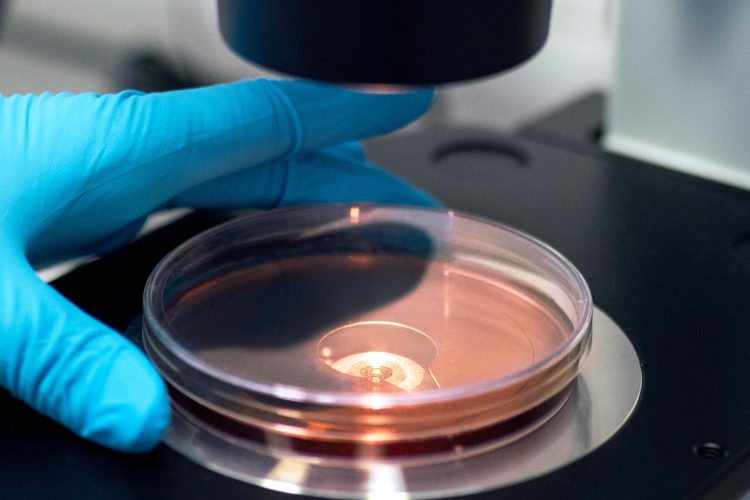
(365, 324)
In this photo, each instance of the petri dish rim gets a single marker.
(155, 319)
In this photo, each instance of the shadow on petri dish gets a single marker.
(290, 291)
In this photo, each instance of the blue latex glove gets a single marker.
(78, 173)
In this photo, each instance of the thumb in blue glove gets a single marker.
(79, 171)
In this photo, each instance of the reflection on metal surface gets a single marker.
(604, 397)
(287, 476)
(387, 481)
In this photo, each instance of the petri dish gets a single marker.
(348, 335)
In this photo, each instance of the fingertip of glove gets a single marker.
(429, 201)
(132, 411)
(412, 102)
(424, 98)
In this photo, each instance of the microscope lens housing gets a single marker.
(388, 42)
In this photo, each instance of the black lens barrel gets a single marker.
(407, 42)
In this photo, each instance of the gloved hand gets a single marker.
(78, 174)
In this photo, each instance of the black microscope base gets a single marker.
(667, 256)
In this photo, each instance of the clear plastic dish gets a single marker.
(347, 334)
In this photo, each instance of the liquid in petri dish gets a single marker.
(373, 323)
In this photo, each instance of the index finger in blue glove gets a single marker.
(124, 155)
(190, 136)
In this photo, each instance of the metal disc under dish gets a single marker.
(605, 395)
